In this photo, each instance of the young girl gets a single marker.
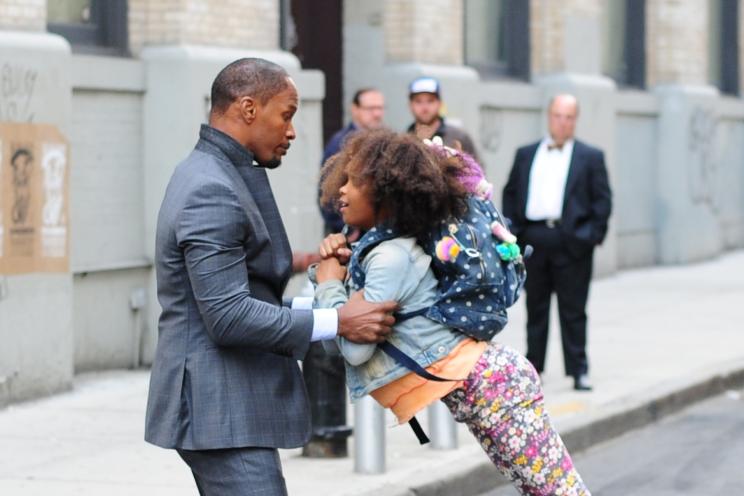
(395, 187)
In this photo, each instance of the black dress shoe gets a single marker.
(581, 383)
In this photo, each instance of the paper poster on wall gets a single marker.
(34, 172)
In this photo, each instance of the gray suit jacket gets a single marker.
(225, 372)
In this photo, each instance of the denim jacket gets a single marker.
(397, 269)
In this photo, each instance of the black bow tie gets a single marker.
(555, 146)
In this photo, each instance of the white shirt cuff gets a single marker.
(302, 303)
(325, 324)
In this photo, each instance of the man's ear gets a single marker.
(248, 108)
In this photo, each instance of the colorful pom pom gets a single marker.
(508, 251)
(447, 249)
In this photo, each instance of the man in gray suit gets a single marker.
(225, 389)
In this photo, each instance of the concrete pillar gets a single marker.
(36, 354)
(677, 47)
(369, 437)
(688, 228)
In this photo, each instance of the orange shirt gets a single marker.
(412, 393)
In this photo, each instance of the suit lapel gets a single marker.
(257, 181)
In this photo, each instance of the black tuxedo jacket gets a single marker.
(587, 200)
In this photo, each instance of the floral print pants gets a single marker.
(501, 402)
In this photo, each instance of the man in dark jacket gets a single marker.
(367, 112)
(558, 200)
(225, 390)
(425, 102)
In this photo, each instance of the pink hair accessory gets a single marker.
(483, 190)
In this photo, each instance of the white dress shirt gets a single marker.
(325, 320)
(548, 181)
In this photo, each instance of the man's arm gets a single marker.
(510, 195)
(601, 198)
(211, 231)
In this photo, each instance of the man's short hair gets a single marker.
(257, 78)
(357, 99)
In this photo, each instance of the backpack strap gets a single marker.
(369, 240)
(393, 352)
(402, 317)
(420, 434)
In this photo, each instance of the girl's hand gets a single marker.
(334, 246)
(330, 269)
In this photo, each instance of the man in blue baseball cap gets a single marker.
(424, 96)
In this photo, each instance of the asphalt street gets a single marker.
(698, 452)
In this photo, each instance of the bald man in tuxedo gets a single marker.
(558, 200)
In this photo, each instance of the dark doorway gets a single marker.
(312, 31)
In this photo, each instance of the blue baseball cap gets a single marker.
(424, 85)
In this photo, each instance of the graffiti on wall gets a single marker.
(17, 87)
(702, 163)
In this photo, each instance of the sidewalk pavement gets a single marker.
(659, 339)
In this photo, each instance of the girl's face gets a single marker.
(355, 202)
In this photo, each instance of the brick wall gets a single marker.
(424, 31)
(252, 24)
(548, 30)
(676, 42)
(24, 15)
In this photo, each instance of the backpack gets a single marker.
(475, 259)
(480, 275)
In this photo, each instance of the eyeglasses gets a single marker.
(371, 108)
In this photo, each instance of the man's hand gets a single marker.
(329, 269)
(334, 245)
(361, 321)
(302, 260)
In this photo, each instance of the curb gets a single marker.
(615, 420)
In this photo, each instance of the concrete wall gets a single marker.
(35, 309)
(634, 179)
(728, 182)
(111, 270)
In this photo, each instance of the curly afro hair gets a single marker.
(413, 187)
